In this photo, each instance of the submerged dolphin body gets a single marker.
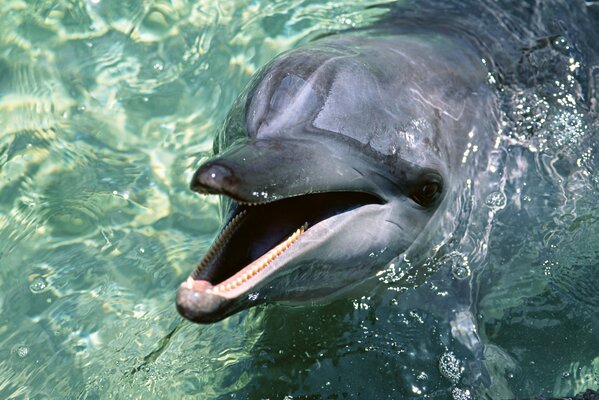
(338, 157)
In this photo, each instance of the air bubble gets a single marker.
(460, 394)
(38, 285)
(21, 351)
(451, 367)
(158, 66)
(457, 263)
(460, 271)
(496, 200)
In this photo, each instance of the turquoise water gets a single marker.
(106, 109)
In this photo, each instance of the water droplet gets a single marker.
(38, 285)
(495, 200)
(416, 390)
(561, 44)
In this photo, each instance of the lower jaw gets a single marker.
(217, 301)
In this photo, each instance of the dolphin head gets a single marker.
(331, 163)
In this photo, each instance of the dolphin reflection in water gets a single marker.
(344, 155)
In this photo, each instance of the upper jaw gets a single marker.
(261, 171)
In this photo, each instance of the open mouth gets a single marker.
(248, 248)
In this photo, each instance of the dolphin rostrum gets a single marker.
(338, 157)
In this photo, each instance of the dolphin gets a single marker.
(338, 157)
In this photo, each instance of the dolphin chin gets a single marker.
(332, 163)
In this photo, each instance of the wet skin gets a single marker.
(338, 157)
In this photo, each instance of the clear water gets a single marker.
(107, 107)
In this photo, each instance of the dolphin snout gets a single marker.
(214, 178)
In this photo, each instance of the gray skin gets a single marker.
(377, 123)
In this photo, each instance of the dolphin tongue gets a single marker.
(266, 170)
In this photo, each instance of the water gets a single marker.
(107, 107)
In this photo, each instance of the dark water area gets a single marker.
(108, 107)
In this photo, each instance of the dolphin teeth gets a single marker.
(254, 203)
(261, 263)
(221, 239)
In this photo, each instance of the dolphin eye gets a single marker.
(427, 193)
